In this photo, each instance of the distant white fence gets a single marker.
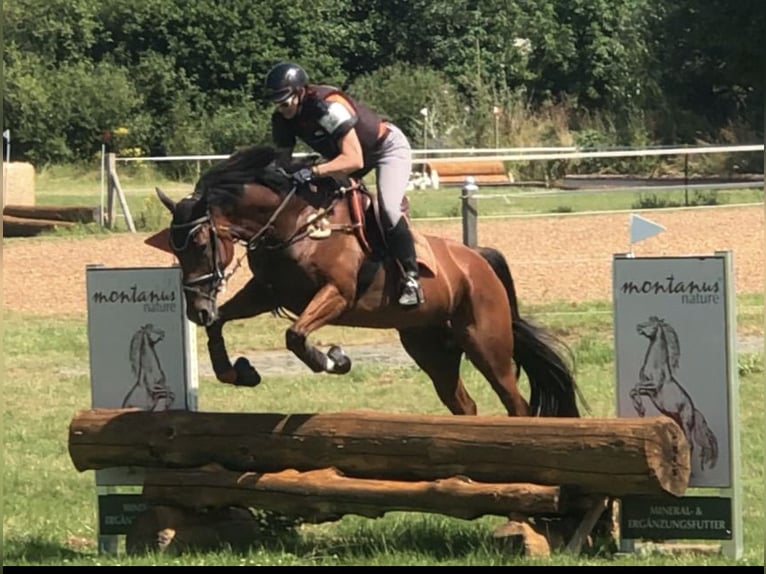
(515, 154)
(421, 156)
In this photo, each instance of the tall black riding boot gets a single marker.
(402, 248)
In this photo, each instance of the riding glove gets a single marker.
(303, 176)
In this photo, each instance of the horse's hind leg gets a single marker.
(434, 351)
(486, 337)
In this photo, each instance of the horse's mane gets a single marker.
(226, 179)
(671, 337)
(674, 348)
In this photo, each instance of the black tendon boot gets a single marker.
(402, 249)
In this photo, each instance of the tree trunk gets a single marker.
(602, 456)
(326, 495)
(73, 213)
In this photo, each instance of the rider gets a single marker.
(354, 140)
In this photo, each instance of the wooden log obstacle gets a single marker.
(323, 466)
(31, 220)
(484, 172)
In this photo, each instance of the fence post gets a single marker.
(110, 159)
(116, 189)
(470, 215)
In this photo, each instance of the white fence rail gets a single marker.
(516, 154)
(421, 156)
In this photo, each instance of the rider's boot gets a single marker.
(402, 248)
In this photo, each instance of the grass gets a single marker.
(49, 513)
(49, 508)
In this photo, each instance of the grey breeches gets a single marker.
(394, 164)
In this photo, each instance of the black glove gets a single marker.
(303, 176)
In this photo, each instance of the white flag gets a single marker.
(641, 228)
(7, 135)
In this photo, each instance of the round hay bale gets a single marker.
(19, 188)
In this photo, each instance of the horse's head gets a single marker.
(155, 334)
(203, 253)
(649, 327)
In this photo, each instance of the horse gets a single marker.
(658, 382)
(150, 391)
(309, 259)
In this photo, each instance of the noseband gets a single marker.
(216, 277)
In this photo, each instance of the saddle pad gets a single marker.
(423, 251)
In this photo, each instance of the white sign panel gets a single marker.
(141, 351)
(672, 353)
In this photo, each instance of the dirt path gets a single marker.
(553, 258)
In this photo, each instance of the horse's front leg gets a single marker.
(639, 390)
(326, 305)
(638, 404)
(253, 299)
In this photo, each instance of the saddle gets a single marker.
(368, 228)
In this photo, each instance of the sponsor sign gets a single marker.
(141, 351)
(692, 517)
(672, 355)
(116, 512)
(675, 355)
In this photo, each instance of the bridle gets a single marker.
(217, 276)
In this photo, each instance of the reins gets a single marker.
(218, 277)
(306, 229)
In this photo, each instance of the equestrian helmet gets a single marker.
(283, 80)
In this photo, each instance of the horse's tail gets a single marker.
(705, 440)
(539, 353)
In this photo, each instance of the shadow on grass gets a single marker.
(37, 550)
(431, 538)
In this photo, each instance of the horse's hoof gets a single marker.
(247, 376)
(342, 364)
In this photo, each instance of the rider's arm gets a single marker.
(347, 162)
(340, 120)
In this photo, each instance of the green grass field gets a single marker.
(49, 514)
(49, 508)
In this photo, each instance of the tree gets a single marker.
(711, 65)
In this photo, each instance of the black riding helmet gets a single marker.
(283, 80)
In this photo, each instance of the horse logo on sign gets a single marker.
(150, 390)
(658, 381)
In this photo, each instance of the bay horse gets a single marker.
(306, 258)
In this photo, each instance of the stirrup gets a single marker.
(412, 293)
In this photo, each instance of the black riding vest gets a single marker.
(306, 127)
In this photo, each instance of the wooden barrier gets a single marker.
(205, 469)
(609, 457)
(31, 220)
(325, 495)
(484, 172)
(73, 213)
(23, 227)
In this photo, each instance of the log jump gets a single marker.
(610, 457)
(326, 495)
